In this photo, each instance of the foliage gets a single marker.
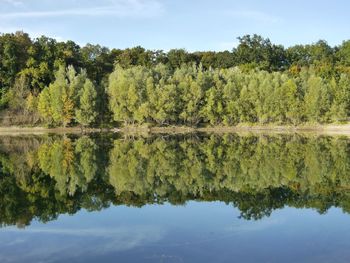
(70, 96)
(193, 96)
(257, 81)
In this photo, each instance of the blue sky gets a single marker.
(190, 24)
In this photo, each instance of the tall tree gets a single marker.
(317, 100)
(86, 112)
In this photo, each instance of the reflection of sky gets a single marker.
(47, 243)
(197, 232)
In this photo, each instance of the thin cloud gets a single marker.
(227, 45)
(15, 3)
(254, 15)
(73, 243)
(117, 8)
(33, 33)
(255, 226)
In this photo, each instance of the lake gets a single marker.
(175, 198)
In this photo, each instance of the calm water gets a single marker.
(188, 198)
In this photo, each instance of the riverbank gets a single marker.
(341, 129)
(318, 128)
(14, 130)
(304, 128)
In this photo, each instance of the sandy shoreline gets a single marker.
(336, 129)
(42, 130)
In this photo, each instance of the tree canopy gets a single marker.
(47, 82)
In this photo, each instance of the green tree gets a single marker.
(86, 113)
(128, 93)
(340, 108)
(343, 54)
(257, 51)
(213, 109)
(67, 96)
(317, 100)
(44, 106)
(292, 102)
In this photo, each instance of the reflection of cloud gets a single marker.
(116, 8)
(16, 242)
(46, 243)
(13, 2)
(251, 226)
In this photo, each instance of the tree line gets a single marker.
(46, 82)
(42, 177)
(192, 96)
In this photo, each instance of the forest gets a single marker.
(42, 177)
(45, 82)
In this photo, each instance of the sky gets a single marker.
(191, 24)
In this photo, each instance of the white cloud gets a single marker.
(116, 8)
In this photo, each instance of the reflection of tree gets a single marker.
(71, 164)
(44, 197)
(257, 174)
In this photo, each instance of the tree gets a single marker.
(259, 52)
(60, 101)
(41, 63)
(13, 53)
(21, 108)
(97, 61)
(247, 100)
(128, 94)
(163, 103)
(292, 102)
(317, 100)
(340, 108)
(86, 113)
(18, 93)
(343, 54)
(44, 106)
(136, 56)
(213, 109)
(193, 82)
(67, 96)
(231, 93)
(178, 57)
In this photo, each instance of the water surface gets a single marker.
(183, 198)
